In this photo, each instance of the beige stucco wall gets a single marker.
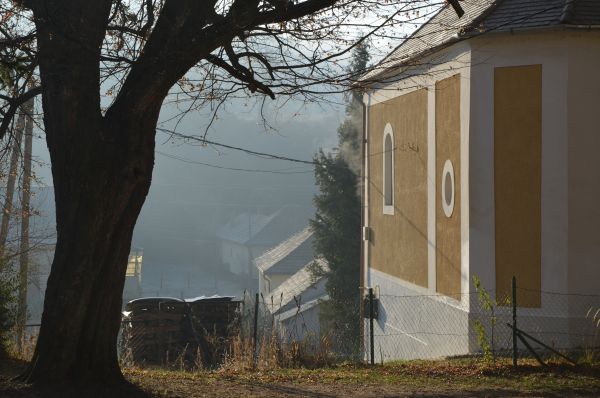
(448, 239)
(399, 241)
(517, 180)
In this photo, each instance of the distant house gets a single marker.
(133, 276)
(295, 303)
(481, 143)
(247, 236)
(284, 260)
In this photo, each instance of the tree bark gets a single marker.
(98, 199)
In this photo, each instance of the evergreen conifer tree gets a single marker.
(338, 220)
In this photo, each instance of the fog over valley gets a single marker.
(195, 193)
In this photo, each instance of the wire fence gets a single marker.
(479, 323)
(287, 331)
(265, 332)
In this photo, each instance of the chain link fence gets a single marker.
(264, 333)
(479, 323)
(287, 331)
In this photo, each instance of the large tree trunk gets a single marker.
(99, 194)
(102, 167)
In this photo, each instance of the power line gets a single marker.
(248, 151)
(283, 171)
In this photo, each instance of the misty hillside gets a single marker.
(188, 201)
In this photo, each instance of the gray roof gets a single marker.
(582, 12)
(482, 16)
(243, 227)
(266, 230)
(285, 222)
(288, 256)
(299, 288)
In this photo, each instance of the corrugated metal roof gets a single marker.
(300, 287)
(288, 256)
(483, 16)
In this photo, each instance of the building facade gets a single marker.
(480, 144)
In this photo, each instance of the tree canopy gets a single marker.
(104, 69)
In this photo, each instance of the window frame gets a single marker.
(448, 170)
(388, 209)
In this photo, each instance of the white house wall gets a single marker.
(584, 180)
(435, 325)
(547, 49)
(570, 187)
(584, 162)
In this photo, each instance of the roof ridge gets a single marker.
(477, 20)
(305, 233)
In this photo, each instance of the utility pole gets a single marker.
(25, 210)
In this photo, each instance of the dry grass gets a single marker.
(465, 377)
(449, 378)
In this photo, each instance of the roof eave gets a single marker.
(392, 71)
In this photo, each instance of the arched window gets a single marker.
(388, 170)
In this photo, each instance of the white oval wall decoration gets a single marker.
(448, 188)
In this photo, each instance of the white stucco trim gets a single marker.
(431, 191)
(548, 50)
(464, 177)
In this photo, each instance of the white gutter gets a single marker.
(366, 227)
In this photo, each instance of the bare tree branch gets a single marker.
(13, 106)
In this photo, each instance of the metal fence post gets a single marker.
(371, 325)
(255, 333)
(241, 321)
(514, 316)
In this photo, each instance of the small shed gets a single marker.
(165, 330)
